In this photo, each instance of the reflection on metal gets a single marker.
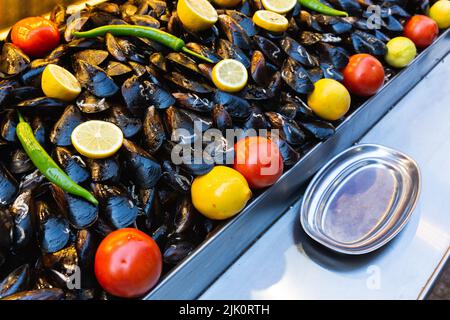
(361, 199)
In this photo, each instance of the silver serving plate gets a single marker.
(361, 199)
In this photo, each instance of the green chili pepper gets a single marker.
(46, 164)
(150, 33)
(317, 6)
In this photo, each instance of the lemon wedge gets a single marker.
(270, 21)
(196, 15)
(97, 139)
(279, 6)
(59, 83)
(230, 75)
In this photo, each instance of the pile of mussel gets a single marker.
(150, 92)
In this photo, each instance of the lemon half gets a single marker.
(58, 83)
(196, 15)
(270, 21)
(279, 6)
(97, 139)
(230, 75)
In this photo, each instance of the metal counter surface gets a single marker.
(286, 264)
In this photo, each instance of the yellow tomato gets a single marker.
(221, 193)
(400, 52)
(330, 100)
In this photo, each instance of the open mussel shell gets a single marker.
(142, 168)
(63, 128)
(86, 246)
(8, 187)
(12, 60)
(60, 266)
(140, 94)
(154, 134)
(288, 129)
(116, 205)
(40, 294)
(22, 212)
(95, 80)
(91, 56)
(72, 164)
(123, 50)
(296, 77)
(89, 103)
(80, 213)
(104, 170)
(54, 232)
(125, 120)
(17, 281)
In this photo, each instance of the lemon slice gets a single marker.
(196, 15)
(97, 139)
(230, 75)
(270, 21)
(279, 6)
(59, 83)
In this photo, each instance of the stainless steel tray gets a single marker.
(361, 199)
(194, 275)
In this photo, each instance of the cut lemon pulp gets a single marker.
(97, 139)
(279, 6)
(270, 21)
(59, 83)
(230, 75)
(196, 15)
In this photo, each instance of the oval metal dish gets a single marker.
(361, 199)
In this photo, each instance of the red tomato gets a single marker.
(36, 36)
(422, 30)
(363, 75)
(128, 263)
(259, 161)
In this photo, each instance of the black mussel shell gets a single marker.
(177, 248)
(337, 56)
(63, 128)
(256, 120)
(123, 50)
(186, 215)
(139, 94)
(320, 130)
(234, 32)
(40, 294)
(226, 50)
(8, 126)
(54, 232)
(221, 117)
(104, 170)
(185, 127)
(364, 42)
(204, 51)
(8, 187)
(237, 107)
(296, 77)
(72, 164)
(116, 205)
(297, 52)
(145, 20)
(288, 128)
(86, 246)
(42, 102)
(17, 281)
(122, 118)
(193, 102)
(270, 49)
(183, 62)
(154, 134)
(22, 211)
(289, 155)
(95, 80)
(117, 69)
(81, 213)
(61, 267)
(20, 162)
(91, 56)
(174, 179)
(6, 229)
(89, 103)
(244, 21)
(12, 60)
(315, 74)
(142, 168)
(260, 70)
(185, 82)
